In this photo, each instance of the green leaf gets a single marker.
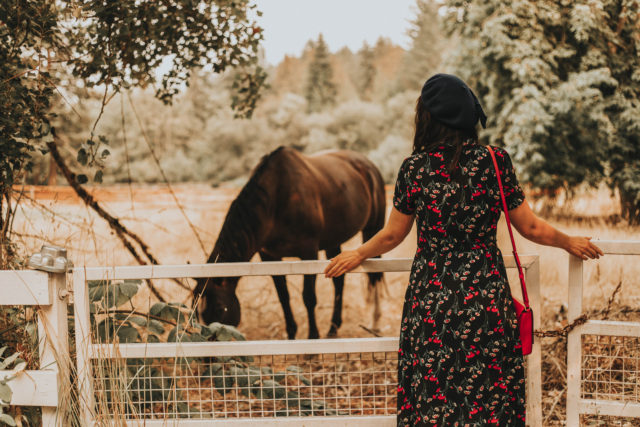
(272, 389)
(82, 158)
(106, 329)
(213, 370)
(2, 350)
(9, 360)
(157, 308)
(177, 334)
(205, 331)
(223, 384)
(98, 176)
(5, 392)
(236, 334)
(129, 289)
(156, 326)
(223, 334)
(82, 179)
(96, 292)
(7, 419)
(304, 379)
(178, 304)
(128, 334)
(140, 321)
(110, 298)
(196, 337)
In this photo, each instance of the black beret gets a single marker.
(452, 102)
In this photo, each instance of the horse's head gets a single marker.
(217, 300)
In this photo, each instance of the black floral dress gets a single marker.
(460, 357)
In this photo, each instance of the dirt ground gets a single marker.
(54, 214)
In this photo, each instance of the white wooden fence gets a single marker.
(372, 357)
(603, 362)
(375, 353)
(49, 386)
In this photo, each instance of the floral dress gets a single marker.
(460, 358)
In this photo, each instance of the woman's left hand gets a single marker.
(343, 263)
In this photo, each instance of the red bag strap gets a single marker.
(513, 242)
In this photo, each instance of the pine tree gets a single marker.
(320, 90)
(425, 53)
(367, 72)
(560, 82)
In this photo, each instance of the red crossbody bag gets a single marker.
(523, 311)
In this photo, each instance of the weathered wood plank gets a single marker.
(246, 348)
(254, 269)
(24, 287)
(619, 247)
(33, 388)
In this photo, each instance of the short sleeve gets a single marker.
(513, 193)
(403, 195)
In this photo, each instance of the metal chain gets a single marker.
(561, 332)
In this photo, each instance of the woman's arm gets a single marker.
(539, 231)
(386, 239)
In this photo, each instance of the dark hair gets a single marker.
(430, 133)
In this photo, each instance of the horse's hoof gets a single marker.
(333, 332)
(314, 335)
(291, 333)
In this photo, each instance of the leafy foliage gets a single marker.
(561, 86)
(174, 322)
(16, 365)
(50, 48)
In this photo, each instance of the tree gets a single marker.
(367, 73)
(108, 46)
(320, 89)
(561, 86)
(425, 53)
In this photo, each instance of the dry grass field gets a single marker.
(55, 215)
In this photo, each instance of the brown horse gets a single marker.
(293, 206)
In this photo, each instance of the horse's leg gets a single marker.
(283, 296)
(338, 286)
(309, 297)
(376, 280)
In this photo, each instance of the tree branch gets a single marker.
(121, 231)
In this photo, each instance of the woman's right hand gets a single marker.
(583, 248)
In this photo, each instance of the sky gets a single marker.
(289, 24)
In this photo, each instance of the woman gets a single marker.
(460, 359)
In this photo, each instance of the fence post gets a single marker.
(83, 347)
(534, 362)
(53, 334)
(574, 342)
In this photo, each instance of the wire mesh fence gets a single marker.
(330, 384)
(608, 421)
(611, 368)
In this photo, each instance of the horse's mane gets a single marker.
(242, 223)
